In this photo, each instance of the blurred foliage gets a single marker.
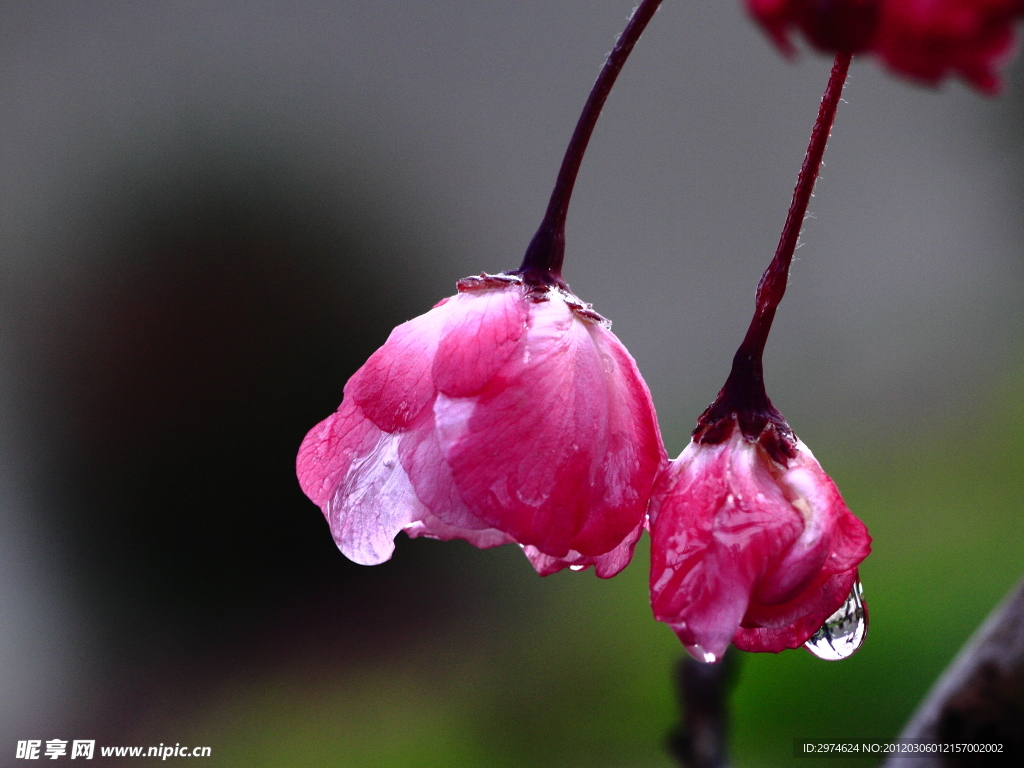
(572, 671)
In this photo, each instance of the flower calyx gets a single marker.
(535, 292)
(743, 404)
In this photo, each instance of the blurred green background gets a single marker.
(212, 213)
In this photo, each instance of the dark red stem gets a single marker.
(542, 264)
(744, 392)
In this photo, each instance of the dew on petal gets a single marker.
(700, 654)
(843, 632)
(577, 567)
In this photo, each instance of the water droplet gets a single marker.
(577, 567)
(700, 654)
(843, 632)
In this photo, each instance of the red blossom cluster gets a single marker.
(511, 414)
(926, 40)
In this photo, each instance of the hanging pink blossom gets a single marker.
(507, 413)
(926, 40)
(751, 543)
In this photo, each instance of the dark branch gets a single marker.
(702, 738)
(980, 696)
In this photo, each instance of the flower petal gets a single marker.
(432, 480)
(561, 447)
(373, 503)
(434, 528)
(719, 521)
(328, 450)
(744, 547)
(395, 384)
(605, 566)
(351, 469)
(928, 41)
(804, 617)
(478, 339)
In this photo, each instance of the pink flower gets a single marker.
(751, 542)
(507, 413)
(926, 40)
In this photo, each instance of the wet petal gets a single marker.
(433, 528)
(559, 449)
(350, 468)
(802, 619)
(372, 504)
(605, 566)
(432, 480)
(744, 547)
(478, 339)
(500, 416)
(717, 523)
(395, 384)
(328, 450)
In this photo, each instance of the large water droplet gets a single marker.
(843, 632)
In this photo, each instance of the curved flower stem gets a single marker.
(542, 263)
(744, 389)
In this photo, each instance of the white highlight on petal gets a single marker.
(372, 504)
(451, 417)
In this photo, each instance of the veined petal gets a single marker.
(395, 384)
(351, 469)
(329, 449)
(372, 504)
(478, 339)
(560, 448)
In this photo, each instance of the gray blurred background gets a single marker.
(212, 213)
